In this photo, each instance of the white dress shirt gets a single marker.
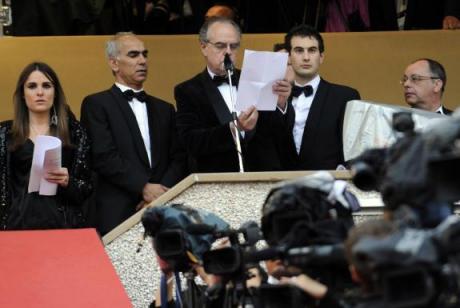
(440, 110)
(224, 90)
(302, 106)
(140, 112)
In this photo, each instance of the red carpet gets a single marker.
(57, 268)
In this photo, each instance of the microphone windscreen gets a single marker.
(152, 220)
(228, 64)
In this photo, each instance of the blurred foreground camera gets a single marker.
(231, 261)
(419, 169)
(168, 226)
(305, 222)
(310, 200)
(413, 267)
(169, 243)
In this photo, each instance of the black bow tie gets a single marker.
(218, 80)
(140, 96)
(307, 91)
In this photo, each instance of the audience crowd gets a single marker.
(83, 17)
(131, 147)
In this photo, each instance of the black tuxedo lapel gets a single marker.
(154, 130)
(314, 115)
(215, 98)
(290, 115)
(446, 111)
(130, 118)
(290, 122)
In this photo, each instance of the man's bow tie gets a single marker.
(218, 80)
(307, 91)
(140, 96)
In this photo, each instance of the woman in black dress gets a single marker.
(40, 108)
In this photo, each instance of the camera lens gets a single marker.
(364, 176)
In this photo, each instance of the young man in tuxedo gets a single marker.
(424, 81)
(204, 107)
(306, 132)
(135, 150)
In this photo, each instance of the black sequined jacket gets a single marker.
(80, 182)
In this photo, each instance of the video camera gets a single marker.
(230, 261)
(305, 222)
(168, 226)
(304, 257)
(316, 200)
(413, 267)
(420, 169)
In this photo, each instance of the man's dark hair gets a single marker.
(278, 46)
(303, 31)
(377, 228)
(437, 70)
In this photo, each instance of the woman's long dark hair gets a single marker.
(20, 129)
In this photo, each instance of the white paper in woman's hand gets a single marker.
(47, 156)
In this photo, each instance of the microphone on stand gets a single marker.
(228, 65)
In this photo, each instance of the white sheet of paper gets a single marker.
(259, 71)
(46, 156)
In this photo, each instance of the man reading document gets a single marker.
(204, 107)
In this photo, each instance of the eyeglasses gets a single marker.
(416, 78)
(223, 46)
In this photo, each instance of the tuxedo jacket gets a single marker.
(119, 155)
(203, 124)
(446, 111)
(322, 146)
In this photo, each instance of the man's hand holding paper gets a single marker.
(282, 88)
(247, 119)
(261, 82)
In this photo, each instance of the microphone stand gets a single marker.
(229, 68)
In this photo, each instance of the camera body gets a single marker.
(232, 262)
(420, 169)
(169, 225)
(413, 267)
(305, 223)
(312, 202)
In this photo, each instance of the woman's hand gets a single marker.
(58, 176)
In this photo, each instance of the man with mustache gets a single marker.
(135, 152)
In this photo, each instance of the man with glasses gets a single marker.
(204, 107)
(424, 82)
